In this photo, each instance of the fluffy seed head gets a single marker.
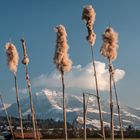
(12, 57)
(110, 44)
(88, 15)
(91, 38)
(61, 57)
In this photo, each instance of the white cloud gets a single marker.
(79, 77)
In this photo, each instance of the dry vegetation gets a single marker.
(64, 64)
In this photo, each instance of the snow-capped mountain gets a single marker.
(48, 104)
(5, 105)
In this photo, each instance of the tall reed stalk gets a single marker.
(85, 107)
(63, 64)
(109, 50)
(84, 117)
(111, 104)
(64, 106)
(19, 109)
(12, 60)
(98, 97)
(37, 131)
(7, 116)
(25, 62)
(88, 16)
(117, 101)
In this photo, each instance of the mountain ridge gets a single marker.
(48, 104)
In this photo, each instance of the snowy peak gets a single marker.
(48, 104)
(5, 105)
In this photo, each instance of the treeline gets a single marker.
(54, 129)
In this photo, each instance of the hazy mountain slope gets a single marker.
(48, 104)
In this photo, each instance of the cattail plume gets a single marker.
(110, 44)
(61, 57)
(12, 57)
(88, 15)
(109, 50)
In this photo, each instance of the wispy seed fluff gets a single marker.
(61, 57)
(12, 57)
(88, 15)
(110, 44)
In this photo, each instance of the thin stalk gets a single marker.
(64, 106)
(118, 107)
(84, 117)
(19, 108)
(111, 104)
(29, 91)
(7, 116)
(98, 98)
(85, 106)
(31, 102)
(37, 131)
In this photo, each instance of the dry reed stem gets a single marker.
(63, 64)
(29, 88)
(85, 107)
(98, 97)
(88, 15)
(7, 116)
(117, 101)
(64, 107)
(12, 61)
(84, 117)
(109, 50)
(111, 104)
(19, 108)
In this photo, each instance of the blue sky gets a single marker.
(35, 21)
